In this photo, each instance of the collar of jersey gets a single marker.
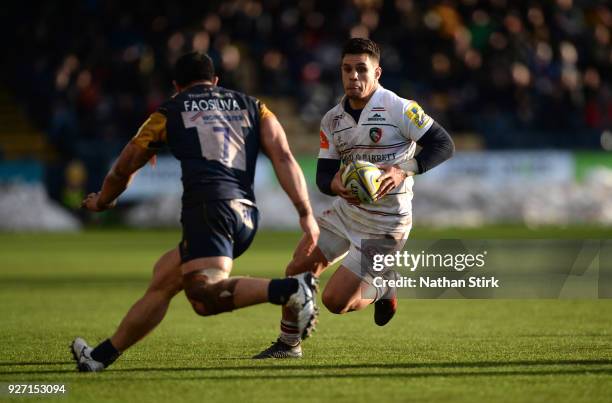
(377, 94)
(198, 84)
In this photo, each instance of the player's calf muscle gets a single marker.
(339, 306)
(344, 292)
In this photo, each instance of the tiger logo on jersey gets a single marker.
(375, 134)
(417, 115)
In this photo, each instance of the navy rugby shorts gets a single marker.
(217, 228)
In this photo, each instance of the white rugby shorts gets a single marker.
(341, 238)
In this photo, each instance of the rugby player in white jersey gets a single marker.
(373, 124)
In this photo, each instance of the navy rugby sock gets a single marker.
(279, 290)
(105, 353)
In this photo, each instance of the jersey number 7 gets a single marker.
(221, 136)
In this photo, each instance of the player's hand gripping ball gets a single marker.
(362, 179)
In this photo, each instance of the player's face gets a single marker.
(360, 76)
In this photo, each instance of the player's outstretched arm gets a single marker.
(290, 175)
(131, 159)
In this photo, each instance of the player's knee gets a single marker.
(209, 291)
(199, 308)
(334, 303)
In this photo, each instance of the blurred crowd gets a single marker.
(516, 73)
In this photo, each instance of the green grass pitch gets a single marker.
(55, 287)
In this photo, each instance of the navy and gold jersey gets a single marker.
(214, 133)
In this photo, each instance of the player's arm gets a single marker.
(131, 159)
(290, 176)
(329, 180)
(329, 170)
(437, 147)
(134, 156)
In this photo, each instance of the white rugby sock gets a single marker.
(290, 333)
(386, 292)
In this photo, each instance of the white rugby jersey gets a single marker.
(386, 133)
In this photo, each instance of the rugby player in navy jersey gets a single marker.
(374, 124)
(216, 134)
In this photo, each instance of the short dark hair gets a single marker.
(359, 46)
(193, 66)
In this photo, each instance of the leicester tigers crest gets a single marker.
(375, 134)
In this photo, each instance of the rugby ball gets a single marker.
(362, 179)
